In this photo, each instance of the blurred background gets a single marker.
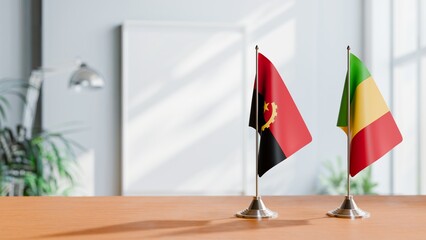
(172, 115)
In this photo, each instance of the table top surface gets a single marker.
(300, 217)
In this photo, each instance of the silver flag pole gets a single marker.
(348, 209)
(257, 208)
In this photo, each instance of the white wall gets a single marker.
(395, 56)
(305, 39)
(340, 24)
(15, 47)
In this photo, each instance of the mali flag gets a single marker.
(281, 127)
(373, 129)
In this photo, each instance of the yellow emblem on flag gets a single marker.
(273, 115)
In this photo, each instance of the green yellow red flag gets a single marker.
(373, 129)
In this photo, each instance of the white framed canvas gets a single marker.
(184, 109)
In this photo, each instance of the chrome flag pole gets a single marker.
(348, 209)
(257, 208)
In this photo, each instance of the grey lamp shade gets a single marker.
(86, 77)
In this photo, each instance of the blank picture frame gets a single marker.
(184, 108)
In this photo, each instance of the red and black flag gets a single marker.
(281, 127)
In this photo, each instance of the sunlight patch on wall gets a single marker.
(183, 125)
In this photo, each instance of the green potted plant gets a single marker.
(33, 166)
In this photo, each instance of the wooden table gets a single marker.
(301, 217)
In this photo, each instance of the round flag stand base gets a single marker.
(348, 209)
(257, 209)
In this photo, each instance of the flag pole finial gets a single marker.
(348, 48)
(257, 47)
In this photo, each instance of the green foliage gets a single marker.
(36, 166)
(43, 164)
(335, 178)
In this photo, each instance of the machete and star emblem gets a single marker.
(273, 114)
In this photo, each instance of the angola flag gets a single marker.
(373, 129)
(281, 127)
